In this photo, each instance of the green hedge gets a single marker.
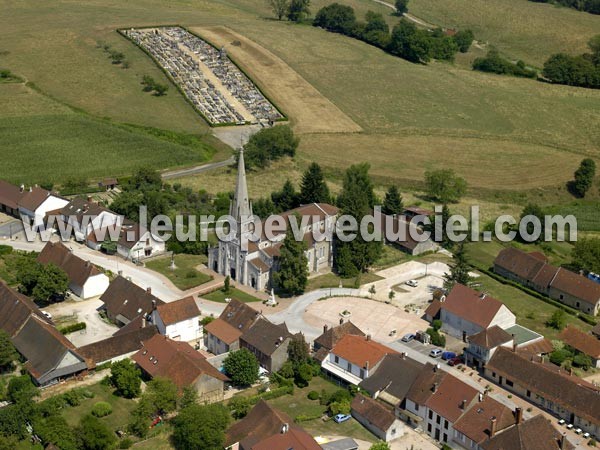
(5, 249)
(569, 310)
(72, 328)
(307, 417)
(274, 393)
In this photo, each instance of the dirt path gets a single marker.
(310, 111)
(407, 15)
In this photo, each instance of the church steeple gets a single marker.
(240, 206)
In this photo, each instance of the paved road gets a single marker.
(195, 170)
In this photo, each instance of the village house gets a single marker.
(125, 301)
(9, 198)
(268, 342)
(253, 265)
(87, 217)
(136, 242)
(400, 233)
(483, 421)
(548, 386)
(265, 428)
(35, 203)
(436, 400)
(184, 366)
(323, 344)
(223, 334)
(536, 433)
(482, 345)
(377, 418)
(465, 312)
(582, 342)
(122, 344)
(179, 320)
(392, 381)
(532, 270)
(355, 358)
(85, 279)
(50, 356)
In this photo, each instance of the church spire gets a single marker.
(240, 206)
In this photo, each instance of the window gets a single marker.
(446, 424)
(416, 407)
(362, 373)
(509, 383)
(438, 420)
(336, 359)
(430, 415)
(349, 366)
(562, 297)
(429, 428)
(528, 393)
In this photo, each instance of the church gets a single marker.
(253, 266)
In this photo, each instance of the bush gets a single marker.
(72, 328)
(306, 417)
(126, 443)
(240, 406)
(313, 395)
(102, 409)
(494, 63)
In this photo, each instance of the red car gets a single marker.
(455, 361)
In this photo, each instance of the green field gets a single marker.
(184, 276)
(331, 280)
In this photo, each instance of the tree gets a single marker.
(291, 277)
(189, 397)
(240, 406)
(392, 203)
(357, 200)
(285, 199)
(227, 285)
(41, 282)
(586, 254)
(8, 353)
(464, 39)
(201, 427)
(242, 367)
(160, 89)
(125, 377)
(536, 211)
(445, 186)
(95, 434)
(21, 389)
(375, 23)
(558, 320)
(401, 7)
(582, 360)
(298, 10)
(336, 18)
(298, 350)
(279, 7)
(584, 178)
(55, 430)
(442, 231)
(380, 445)
(270, 144)
(313, 188)
(303, 374)
(459, 270)
(161, 394)
(410, 43)
(263, 207)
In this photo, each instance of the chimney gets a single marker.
(153, 304)
(561, 443)
(149, 290)
(30, 189)
(89, 199)
(325, 328)
(492, 427)
(368, 337)
(514, 339)
(285, 428)
(434, 388)
(480, 397)
(87, 264)
(482, 296)
(518, 415)
(463, 404)
(144, 322)
(341, 320)
(403, 355)
(367, 366)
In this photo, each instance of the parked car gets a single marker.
(339, 418)
(578, 430)
(408, 337)
(562, 422)
(47, 315)
(412, 283)
(446, 356)
(455, 361)
(435, 352)
(586, 435)
(570, 426)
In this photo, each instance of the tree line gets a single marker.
(406, 40)
(591, 6)
(580, 70)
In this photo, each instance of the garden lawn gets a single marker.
(331, 280)
(220, 296)
(121, 408)
(185, 276)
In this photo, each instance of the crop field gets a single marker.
(500, 133)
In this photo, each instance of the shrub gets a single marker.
(72, 328)
(5, 249)
(126, 443)
(313, 395)
(102, 409)
(306, 417)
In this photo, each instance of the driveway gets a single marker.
(83, 311)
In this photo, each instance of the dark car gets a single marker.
(455, 361)
(446, 356)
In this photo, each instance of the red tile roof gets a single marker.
(260, 423)
(223, 331)
(9, 194)
(577, 286)
(178, 361)
(491, 337)
(375, 412)
(477, 421)
(585, 343)
(361, 351)
(468, 304)
(533, 434)
(294, 438)
(449, 399)
(178, 311)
